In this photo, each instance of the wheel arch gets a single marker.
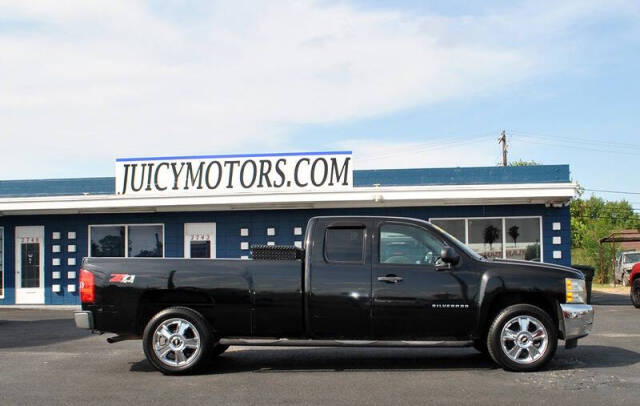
(154, 301)
(504, 299)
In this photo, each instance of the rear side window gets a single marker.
(344, 244)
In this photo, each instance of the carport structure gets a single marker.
(616, 237)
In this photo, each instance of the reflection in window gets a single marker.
(453, 227)
(344, 244)
(402, 244)
(107, 241)
(145, 241)
(200, 249)
(485, 237)
(523, 238)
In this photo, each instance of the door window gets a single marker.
(200, 249)
(30, 265)
(344, 244)
(404, 244)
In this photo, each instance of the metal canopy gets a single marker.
(616, 236)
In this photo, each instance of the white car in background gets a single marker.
(624, 263)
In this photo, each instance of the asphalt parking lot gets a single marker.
(44, 359)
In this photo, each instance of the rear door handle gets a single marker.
(390, 279)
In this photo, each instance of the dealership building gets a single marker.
(219, 206)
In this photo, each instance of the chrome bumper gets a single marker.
(577, 320)
(83, 320)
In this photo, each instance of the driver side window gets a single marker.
(404, 244)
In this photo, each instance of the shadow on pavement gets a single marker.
(610, 299)
(32, 333)
(367, 359)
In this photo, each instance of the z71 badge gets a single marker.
(122, 278)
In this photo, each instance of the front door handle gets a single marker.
(390, 279)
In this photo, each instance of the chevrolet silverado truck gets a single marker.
(358, 281)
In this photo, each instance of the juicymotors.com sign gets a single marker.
(229, 174)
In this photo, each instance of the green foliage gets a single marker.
(595, 218)
(522, 162)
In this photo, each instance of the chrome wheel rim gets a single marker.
(176, 342)
(524, 339)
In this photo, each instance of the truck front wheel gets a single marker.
(177, 341)
(522, 338)
(635, 293)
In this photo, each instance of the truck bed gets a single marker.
(241, 297)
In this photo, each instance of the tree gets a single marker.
(522, 162)
(490, 235)
(592, 219)
(514, 233)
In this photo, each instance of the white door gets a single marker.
(200, 240)
(30, 265)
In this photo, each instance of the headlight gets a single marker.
(576, 292)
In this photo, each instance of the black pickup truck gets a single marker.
(359, 281)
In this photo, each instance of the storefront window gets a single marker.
(485, 237)
(143, 241)
(523, 238)
(107, 241)
(454, 227)
(503, 237)
(1, 262)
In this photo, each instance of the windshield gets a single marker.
(632, 258)
(458, 244)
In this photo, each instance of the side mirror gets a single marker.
(448, 255)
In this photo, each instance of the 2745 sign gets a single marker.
(234, 174)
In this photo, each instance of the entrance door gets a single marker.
(30, 265)
(200, 240)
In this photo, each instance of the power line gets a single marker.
(432, 145)
(575, 139)
(612, 191)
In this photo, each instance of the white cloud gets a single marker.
(86, 82)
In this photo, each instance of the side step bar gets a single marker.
(285, 342)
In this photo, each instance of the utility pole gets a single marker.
(503, 140)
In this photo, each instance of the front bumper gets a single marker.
(577, 320)
(83, 319)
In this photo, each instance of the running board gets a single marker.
(285, 342)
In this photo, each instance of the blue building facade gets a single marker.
(514, 212)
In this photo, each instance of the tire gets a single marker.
(530, 346)
(178, 341)
(625, 280)
(635, 293)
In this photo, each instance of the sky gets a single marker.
(401, 84)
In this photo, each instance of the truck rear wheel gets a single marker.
(522, 338)
(635, 293)
(177, 341)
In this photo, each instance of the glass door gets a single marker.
(30, 265)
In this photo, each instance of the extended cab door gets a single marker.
(339, 280)
(415, 296)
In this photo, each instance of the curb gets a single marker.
(41, 307)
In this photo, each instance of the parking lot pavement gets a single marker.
(44, 359)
